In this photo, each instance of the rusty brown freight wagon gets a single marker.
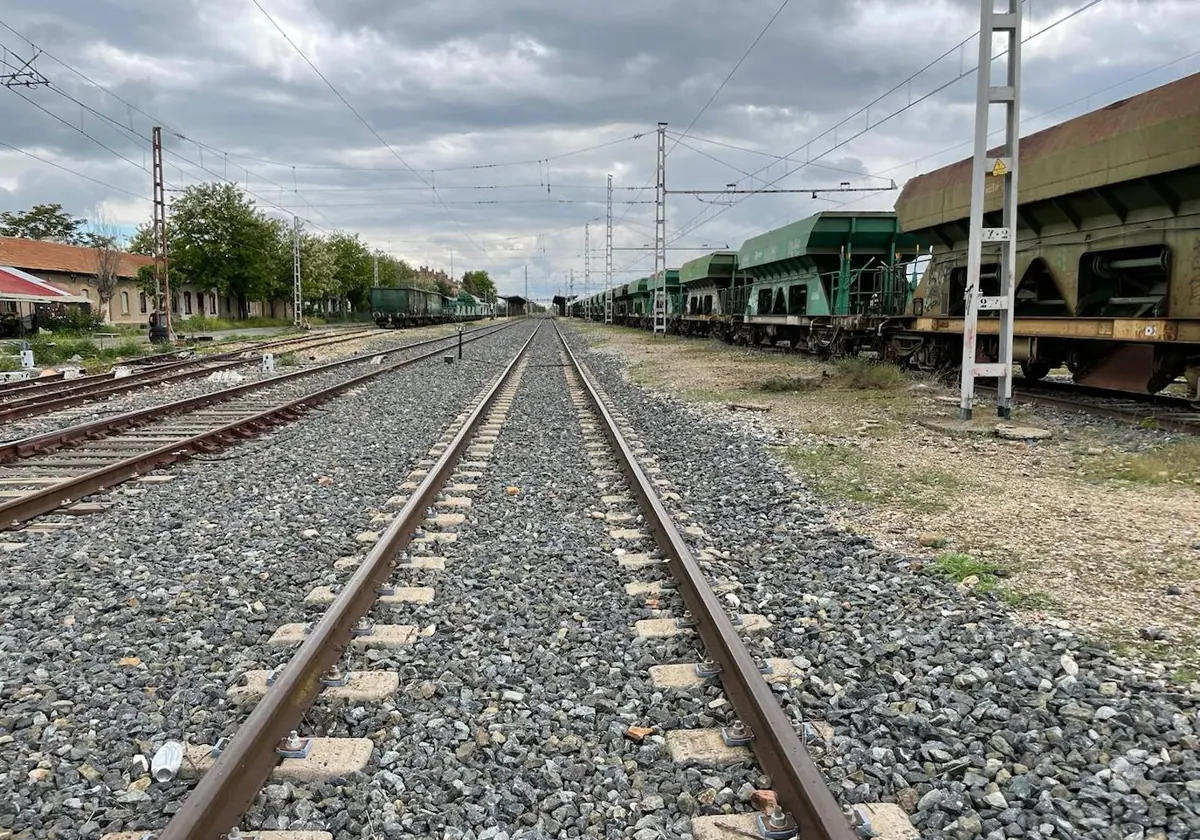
(1108, 248)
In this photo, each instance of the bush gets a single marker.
(857, 372)
(59, 317)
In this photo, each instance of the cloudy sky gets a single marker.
(511, 113)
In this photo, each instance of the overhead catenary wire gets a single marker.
(692, 224)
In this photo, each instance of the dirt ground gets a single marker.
(1096, 528)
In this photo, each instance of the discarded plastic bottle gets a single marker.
(166, 761)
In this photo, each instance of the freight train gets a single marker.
(1108, 261)
(404, 306)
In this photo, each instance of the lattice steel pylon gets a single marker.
(161, 281)
(608, 269)
(1004, 167)
(297, 296)
(659, 313)
(587, 271)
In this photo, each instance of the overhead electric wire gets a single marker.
(30, 154)
(692, 224)
(887, 118)
(730, 74)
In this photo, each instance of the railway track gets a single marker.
(57, 469)
(40, 396)
(1156, 411)
(276, 743)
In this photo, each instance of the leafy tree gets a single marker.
(218, 239)
(318, 270)
(42, 221)
(479, 284)
(354, 270)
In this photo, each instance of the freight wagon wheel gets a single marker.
(1034, 371)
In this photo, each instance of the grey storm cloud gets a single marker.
(458, 86)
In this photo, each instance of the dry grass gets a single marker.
(1093, 539)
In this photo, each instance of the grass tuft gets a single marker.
(1172, 463)
(860, 373)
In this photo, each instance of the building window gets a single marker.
(124, 303)
(187, 302)
(212, 303)
(142, 302)
(87, 293)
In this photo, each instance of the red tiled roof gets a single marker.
(37, 255)
(17, 285)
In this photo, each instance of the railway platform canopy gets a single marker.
(21, 292)
(517, 305)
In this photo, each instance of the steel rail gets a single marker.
(73, 488)
(228, 789)
(148, 363)
(798, 784)
(97, 429)
(87, 389)
(1146, 409)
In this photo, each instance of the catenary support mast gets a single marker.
(1003, 168)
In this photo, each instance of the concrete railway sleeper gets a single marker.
(272, 745)
(37, 479)
(37, 399)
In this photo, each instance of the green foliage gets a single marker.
(479, 284)
(204, 323)
(287, 360)
(857, 372)
(75, 318)
(218, 239)
(42, 221)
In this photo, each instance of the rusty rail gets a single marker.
(74, 488)
(97, 429)
(1141, 407)
(227, 790)
(78, 391)
(797, 782)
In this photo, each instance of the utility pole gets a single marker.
(451, 265)
(297, 294)
(608, 251)
(587, 269)
(1004, 167)
(571, 287)
(527, 307)
(375, 281)
(660, 235)
(161, 280)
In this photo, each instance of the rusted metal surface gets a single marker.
(795, 778)
(97, 429)
(1148, 134)
(228, 789)
(21, 509)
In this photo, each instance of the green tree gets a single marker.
(218, 239)
(354, 271)
(318, 270)
(479, 284)
(42, 221)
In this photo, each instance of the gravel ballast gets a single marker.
(194, 386)
(938, 700)
(120, 632)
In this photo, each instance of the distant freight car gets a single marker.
(404, 306)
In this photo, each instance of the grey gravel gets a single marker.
(153, 395)
(191, 578)
(992, 734)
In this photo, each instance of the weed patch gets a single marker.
(1174, 462)
(845, 473)
(866, 374)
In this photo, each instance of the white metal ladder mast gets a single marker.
(1006, 24)
(659, 308)
(608, 269)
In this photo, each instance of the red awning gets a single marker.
(18, 285)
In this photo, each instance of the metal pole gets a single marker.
(161, 278)
(460, 337)
(297, 292)
(1005, 167)
(587, 269)
(608, 252)
(660, 235)
(376, 271)
(525, 307)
